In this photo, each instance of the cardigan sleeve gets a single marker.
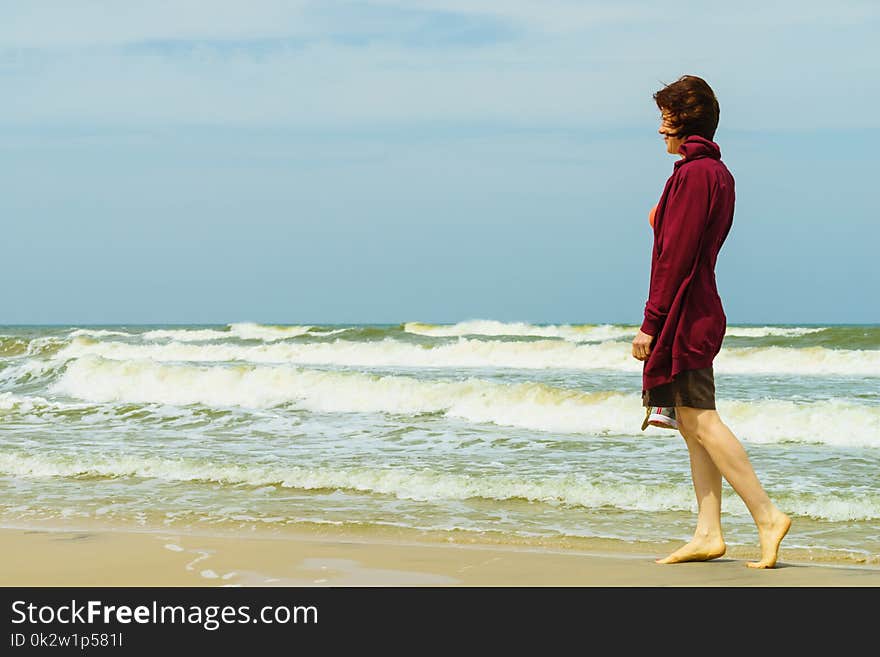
(682, 226)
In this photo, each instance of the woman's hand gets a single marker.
(642, 345)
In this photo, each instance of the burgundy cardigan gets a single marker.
(684, 312)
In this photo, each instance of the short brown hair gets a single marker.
(691, 105)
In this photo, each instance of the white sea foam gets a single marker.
(38, 346)
(527, 405)
(811, 361)
(574, 333)
(96, 333)
(425, 485)
(538, 354)
(21, 403)
(578, 332)
(253, 331)
(96, 414)
(29, 370)
(242, 330)
(185, 335)
(766, 331)
(387, 352)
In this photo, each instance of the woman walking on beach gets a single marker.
(684, 322)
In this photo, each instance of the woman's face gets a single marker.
(667, 130)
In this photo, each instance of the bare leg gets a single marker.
(708, 542)
(733, 463)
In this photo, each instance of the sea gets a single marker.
(481, 430)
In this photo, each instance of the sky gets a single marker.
(387, 161)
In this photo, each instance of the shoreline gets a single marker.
(120, 557)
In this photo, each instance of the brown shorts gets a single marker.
(693, 388)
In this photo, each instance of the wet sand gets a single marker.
(38, 557)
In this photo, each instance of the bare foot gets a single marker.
(697, 550)
(771, 536)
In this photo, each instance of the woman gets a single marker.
(684, 322)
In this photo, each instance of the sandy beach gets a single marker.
(40, 557)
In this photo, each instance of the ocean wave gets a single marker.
(767, 331)
(30, 371)
(425, 485)
(809, 361)
(465, 353)
(46, 346)
(52, 411)
(11, 346)
(579, 332)
(535, 406)
(96, 333)
(265, 332)
(23, 403)
(241, 330)
(185, 335)
(574, 333)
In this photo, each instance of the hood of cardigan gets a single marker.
(696, 147)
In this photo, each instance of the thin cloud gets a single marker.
(103, 23)
(392, 62)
